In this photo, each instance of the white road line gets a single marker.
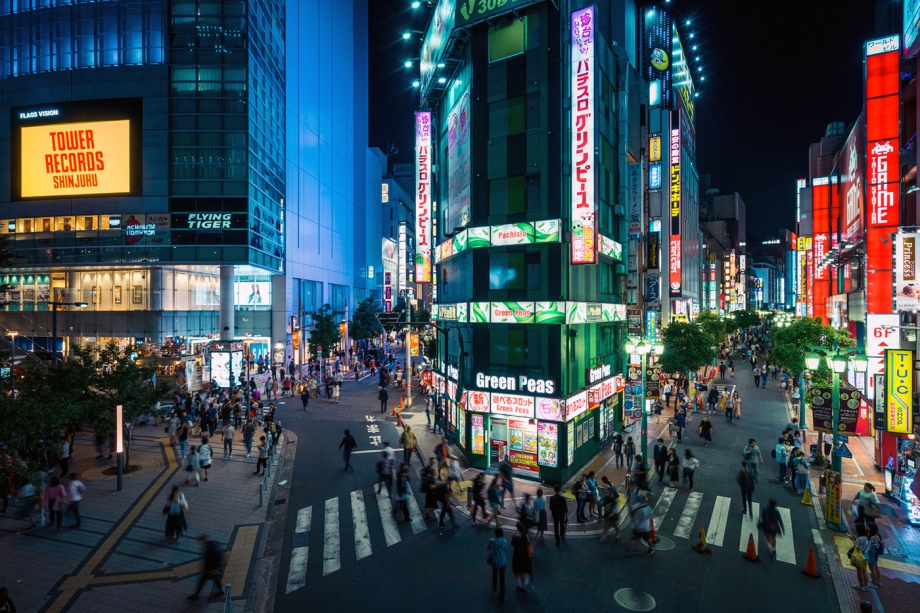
(377, 451)
(749, 527)
(719, 520)
(297, 572)
(415, 514)
(664, 503)
(390, 531)
(685, 524)
(331, 542)
(785, 548)
(359, 519)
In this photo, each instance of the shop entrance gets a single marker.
(516, 441)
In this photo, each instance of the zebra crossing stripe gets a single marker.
(331, 542)
(785, 548)
(716, 531)
(687, 519)
(359, 519)
(390, 531)
(297, 572)
(749, 527)
(664, 503)
(415, 515)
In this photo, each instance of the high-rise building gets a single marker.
(187, 169)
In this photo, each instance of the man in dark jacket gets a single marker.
(213, 557)
(746, 482)
(559, 509)
(383, 397)
(348, 443)
(661, 458)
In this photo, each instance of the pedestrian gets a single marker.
(857, 558)
(408, 441)
(773, 371)
(609, 511)
(75, 492)
(618, 449)
(875, 549)
(228, 440)
(690, 465)
(182, 434)
(249, 432)
(667, 392)
(64, 457)
(55, 497)
(348, 443)
(722, 370)
(712, 399)
(729, 407)
(673, 468)
(498, 560)
(660, 455)
(681, 423)
(779, 452)
(442, 453)
(771, 522)
(525, 512)
(641, 518)
(438, 418)
(539, 513)
(504, 469)
(865, 498)
(801, 472)
(746, 483)
(559, 509)
(591, 484)
(428, 401)
(305, 397)
(706, 431)
(731, 369)
(756, 377)
(521, 564)
(736, 398)
(205, 452)
(629, 450)
(193, 466)
(641, 474)
(580, 490)
(763, 377)
(402, 492)
(477, 499)
(175, 509)
(442, 493)
(262, 462)
(494, 494)
(213, 558)
(385, 473)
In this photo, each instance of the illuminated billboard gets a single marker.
(472, 11)
(656, 59)
(681, 77)
(852, 180)
(458, 163)
(584, 233)
(674, 249)
(226, 366)
(899, 390)
(906, 283)
(72, 150)
(439, 30)
(423, 195)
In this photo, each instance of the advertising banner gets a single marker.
(423, 195)
(634, 321)
(510, 404)
(584, 168)
(480, 312)
(548, 438)
(652, 382)
(477, 402)
(899, 390)
(549, 409)
(852, 181)
(474, 11)
(822, 411)
(478, 237)
(478, 431)
(439, 31)
(833, 483)
(674, 198)
(512, 312)
(636, 219)
(906, 283)
(458, 162)
(570, 442)
(546, 231)
(657, 62)
(413, 345)
(513, 234)
(576, 405)
(550, 313)
(226, 366)
(611, 248)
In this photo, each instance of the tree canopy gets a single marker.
(713, 325)
(325, 333)
(746, 319)
(686, 347)
(791, 343)
(364, 324)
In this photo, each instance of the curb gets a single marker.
(264, 581)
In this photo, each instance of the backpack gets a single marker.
(802, 468)
(881, 545)
(575, 488)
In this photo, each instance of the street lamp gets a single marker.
(54, 306)
(643, 347)
(13, 336)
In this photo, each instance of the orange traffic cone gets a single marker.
(400, 403)
(811, 569)
(751, 553)
(652, 538)
(399, 421)
(701, 545)
(394, 414)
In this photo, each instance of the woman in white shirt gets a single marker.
(865, 498)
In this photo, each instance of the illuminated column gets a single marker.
(156, 289)
(226, 303)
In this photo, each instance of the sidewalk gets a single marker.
(120, 554)
(899, 566)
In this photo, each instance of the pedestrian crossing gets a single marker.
(378, 507)
(722, 522)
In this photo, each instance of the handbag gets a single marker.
(529, 549)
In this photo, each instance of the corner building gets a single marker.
(530, 225)
(154, 153)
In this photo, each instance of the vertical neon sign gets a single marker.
(674, 254)
(423, 197)
(584, 235)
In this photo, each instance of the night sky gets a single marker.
(776, 74)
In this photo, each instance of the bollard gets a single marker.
(228, 605)
(261, 494)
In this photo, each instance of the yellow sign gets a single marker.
(832, 483)
(804, 243)
(899, 390)
(413, 345)
(76, 159)
(654, 149)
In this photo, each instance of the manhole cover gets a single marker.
(634, 600)
(664, 544)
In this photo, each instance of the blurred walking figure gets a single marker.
(213, 558)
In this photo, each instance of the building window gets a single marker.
(311, 295)
(507, 40)
(516, 270)
(514, 115)
(514, 346)
(339, 296)
(511, 195)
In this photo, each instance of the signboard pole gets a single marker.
(644, 432)
(836, 463)
(119, 446)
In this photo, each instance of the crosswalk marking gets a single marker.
(688, 518)
(331, 542)
(749, 527)
(390, 531)
(785, 548)
(297, 572)
(415, 514)
(664, 503)
(716, 531)
(359, 519)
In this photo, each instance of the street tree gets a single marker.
(364, 324)
(746, 319)
(713, 325)
(325, 334)
(791, 343)
(686, 347)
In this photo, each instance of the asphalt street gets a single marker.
(344, 551)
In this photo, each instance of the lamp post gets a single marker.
(642, 347)
(54, 307)
(119, 446)
(13, 362)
